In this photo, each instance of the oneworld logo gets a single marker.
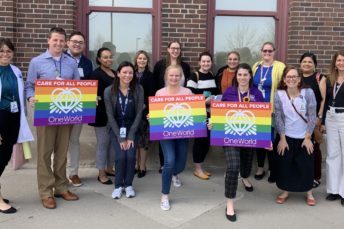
(177, 115)
(65, 101)
(240, 122)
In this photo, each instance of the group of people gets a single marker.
(304, 103)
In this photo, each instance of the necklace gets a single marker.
(246, 98)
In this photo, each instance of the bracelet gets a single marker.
(320, 116)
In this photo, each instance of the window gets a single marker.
(244, 26)
(124, 26)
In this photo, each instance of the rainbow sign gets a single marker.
(63, 102)
(241, 124)
(173, 117)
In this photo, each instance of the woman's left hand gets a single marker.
(130, 143)
(308, 144)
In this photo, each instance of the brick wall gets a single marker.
(317, 26)
(185, 21)
(27, 23)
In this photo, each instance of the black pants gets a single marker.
(261, 153)
(238, 159)
(200, 148)
(9, 130)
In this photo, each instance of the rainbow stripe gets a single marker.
(173, 117)
(241, 124)
(63, 102)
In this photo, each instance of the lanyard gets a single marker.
(58, 71)
(335, 91)
(123, 109)
(246, 98)
(263, 78)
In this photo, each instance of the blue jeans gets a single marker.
(124, 163)
(175, 154)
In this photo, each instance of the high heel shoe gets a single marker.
(248, 188)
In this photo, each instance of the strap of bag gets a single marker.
(301, 116)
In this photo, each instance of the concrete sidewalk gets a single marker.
(197, 204)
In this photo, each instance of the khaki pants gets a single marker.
(52, 140)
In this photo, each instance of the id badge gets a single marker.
(81, 72)
(123, 132)
(14, 107)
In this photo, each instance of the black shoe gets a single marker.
(9, 211)
(332, 197)
(136, 171)
(248, 188)
(6, 200)
(108, 182)
(141, 173)
(271, 179)
(231, 218)
(342, 201)
(259, 176)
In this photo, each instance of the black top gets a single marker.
(86, 66)
(159, 73)
(104, 80)
(313, 82)
(147, 82)
(339, 101)
(218, 77)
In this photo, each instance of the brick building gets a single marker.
(218, 25)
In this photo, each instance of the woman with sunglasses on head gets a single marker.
(239, 159)
(13, 124)
(295, 117)
(105, 156)
(333, 120)
(145, 78)
(225, 74)
(317, 81)
(267, 74)
(173, 57)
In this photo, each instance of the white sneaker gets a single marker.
(117, 193)
(176, 181)
(165, 204)
(129, 192)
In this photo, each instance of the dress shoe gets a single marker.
(49, 203)
(311, 202)
(247, 188)
(342, 201)
(141, 173)
(105, 182)
(75, 181)
(207, 173)
(6, 200)
(281, 200)
(231, 218)
(201, 176)
(332, 197)
(9, 211)
(69, 196)
(259, 176)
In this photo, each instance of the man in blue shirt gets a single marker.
(76, 46)
(51, 65)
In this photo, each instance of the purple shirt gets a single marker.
(231, 94)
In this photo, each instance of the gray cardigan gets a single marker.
(110, 104)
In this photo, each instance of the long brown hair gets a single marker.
(333, 74)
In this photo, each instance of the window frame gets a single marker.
(83, 10)
(281, 24)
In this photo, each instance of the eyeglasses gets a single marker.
(75, 42)
(268, 51)
(292, 77)
(174, 49)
